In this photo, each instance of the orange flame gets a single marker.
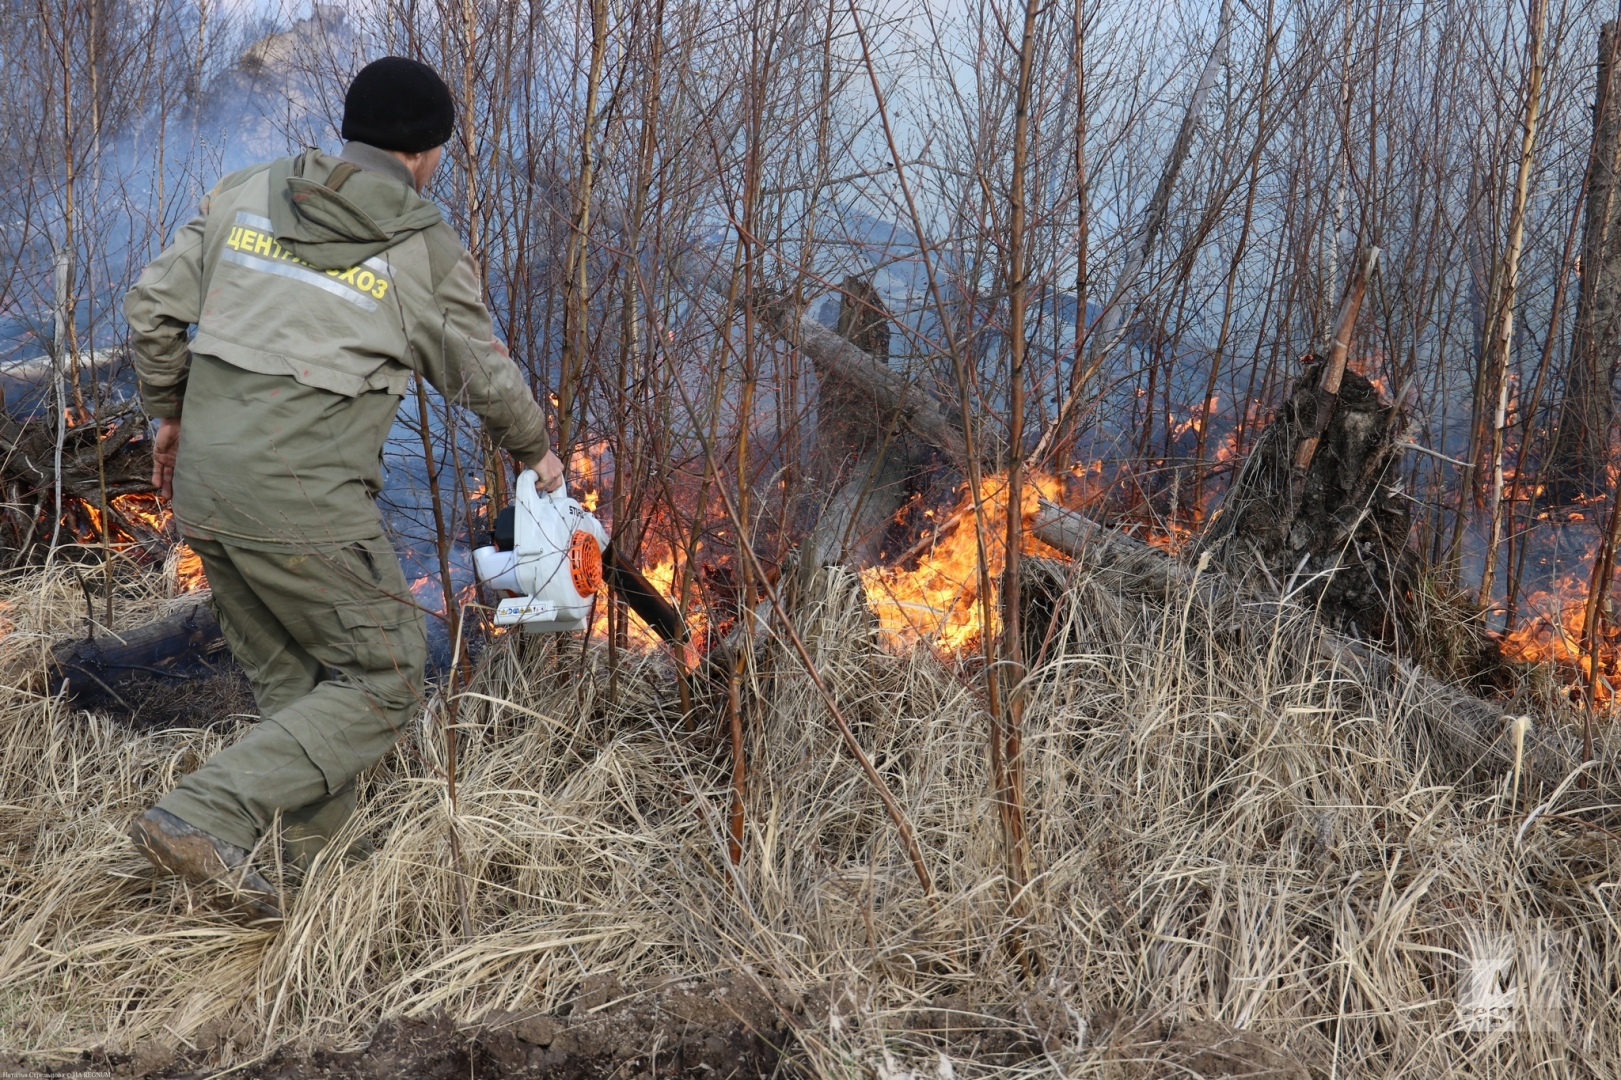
(663, 577)
(585, 471)
(188, 570)
(938, 601)
(147, 514)
(1555, 634)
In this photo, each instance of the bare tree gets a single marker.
(1582, 445)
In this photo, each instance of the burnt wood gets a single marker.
(28, 454)
(99, 670)
(885, 392)
(90, 476)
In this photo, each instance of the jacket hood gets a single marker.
(336, 229)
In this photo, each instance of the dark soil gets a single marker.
(729, 1028)
(733, 1027)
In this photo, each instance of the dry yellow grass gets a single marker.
(1224, 830)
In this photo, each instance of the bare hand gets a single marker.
(164, 452)
(550, 471)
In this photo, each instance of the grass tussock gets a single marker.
(1226, 832)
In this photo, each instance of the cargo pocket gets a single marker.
(379, 635)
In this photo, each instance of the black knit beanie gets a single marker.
(399, 104)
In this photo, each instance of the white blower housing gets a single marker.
(555, 565)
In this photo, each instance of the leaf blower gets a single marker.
(553, 565)
(551, 554)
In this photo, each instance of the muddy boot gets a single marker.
(182, 849)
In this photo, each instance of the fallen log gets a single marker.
(887, 392)
(118, 671)
(1473, 739)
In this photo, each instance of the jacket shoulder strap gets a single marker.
(340, 176)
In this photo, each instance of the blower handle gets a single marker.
(533, 477)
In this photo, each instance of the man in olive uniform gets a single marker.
(318, 286)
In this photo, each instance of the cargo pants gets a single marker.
(334, 649)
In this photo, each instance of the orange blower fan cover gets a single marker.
(585, 563)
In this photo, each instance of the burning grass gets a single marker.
(935, 600)
(1228, 834)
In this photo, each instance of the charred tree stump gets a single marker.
(1316, 509)
(846, 426)
(861, 457)
(1333, 534)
